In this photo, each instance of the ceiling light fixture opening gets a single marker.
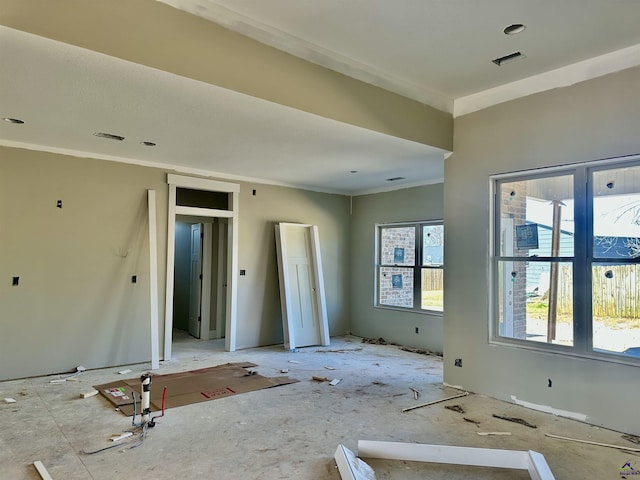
(17, 121)
(508, 58)
(109, 136)
(515, 29)
(394, 179)
(148, 144)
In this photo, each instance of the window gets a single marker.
(410, 266)
(566, 260)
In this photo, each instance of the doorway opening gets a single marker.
(200, 271)
(202, 246)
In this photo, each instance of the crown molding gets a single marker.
(561, 77)
(310, 52)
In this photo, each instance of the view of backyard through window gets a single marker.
(567, 263)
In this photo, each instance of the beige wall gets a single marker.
(76, 305)
(411, 204)
(154, 34)
(592, 120)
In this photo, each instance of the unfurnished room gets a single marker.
(267, 239)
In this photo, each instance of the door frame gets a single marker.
(233, 189)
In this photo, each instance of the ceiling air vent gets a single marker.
(110, 136)
(508, 58)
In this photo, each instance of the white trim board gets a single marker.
(531, 461)
(351, 467)
(153, 279)
(561, 77)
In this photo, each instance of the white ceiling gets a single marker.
(436, 51)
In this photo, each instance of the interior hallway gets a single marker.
(290, 431)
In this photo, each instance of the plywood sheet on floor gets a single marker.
(189, 387)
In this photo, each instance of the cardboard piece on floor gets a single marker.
(531, 461)
(194, 386)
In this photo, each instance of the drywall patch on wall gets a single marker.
(547, 409)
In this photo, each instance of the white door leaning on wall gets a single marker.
(304, 311)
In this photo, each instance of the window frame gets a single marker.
(417, 267)
(582, 260)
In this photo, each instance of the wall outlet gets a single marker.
(417, 329)
(457, 362)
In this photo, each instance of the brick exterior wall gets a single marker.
(393, 238)
(513, 196)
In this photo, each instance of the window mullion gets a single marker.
(583, 213)
(417, 269)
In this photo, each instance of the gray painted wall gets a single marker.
(411, 204)
(592, 120)
(76, 305)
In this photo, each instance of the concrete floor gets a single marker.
(286, 432)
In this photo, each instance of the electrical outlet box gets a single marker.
(457, 362)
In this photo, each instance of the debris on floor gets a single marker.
(631, 438)
(416, 393)
(434, 402)
(455, 408)
(376, 341)
(421, 351)
(9, 400)
(79, 369)
(378, 383)
(475, 422)
(284, 370)
(125, 371)
(486, 434)
(351, 467)
(382, 341)
(329, 368)
(42, 471)
(340, 350)
(333, 382)
(516, 420)
(89, 394)
(588, 442)
(117, 438)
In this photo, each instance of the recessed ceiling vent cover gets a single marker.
(508, 58)
(110, 136)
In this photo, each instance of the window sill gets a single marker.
(564, 351)
(433, 313)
